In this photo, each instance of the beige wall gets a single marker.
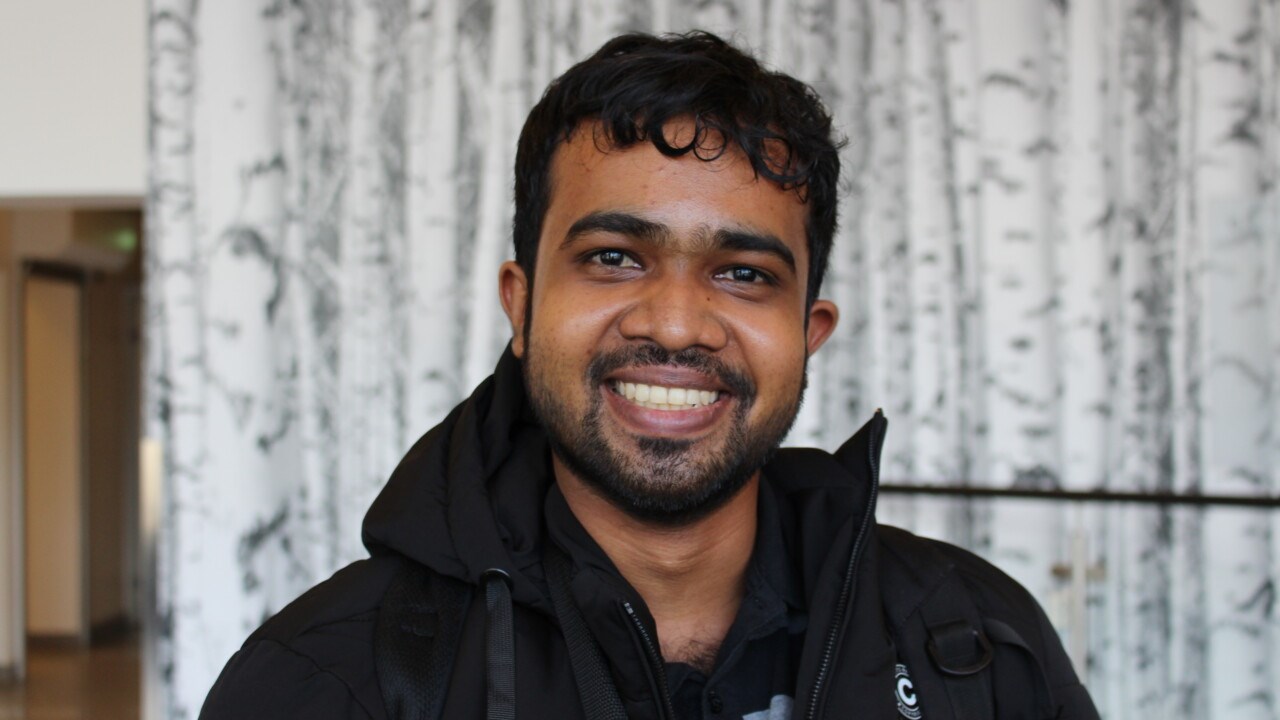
(11, 624)
(73, 80)
(72, 237)
(54, 464)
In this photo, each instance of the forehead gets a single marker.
(689, 194)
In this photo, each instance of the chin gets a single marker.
(667, 487)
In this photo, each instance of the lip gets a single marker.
(681, 424)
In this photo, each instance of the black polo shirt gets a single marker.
(754, 675)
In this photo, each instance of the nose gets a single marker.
(676, 313)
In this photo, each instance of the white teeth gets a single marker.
(657, 397)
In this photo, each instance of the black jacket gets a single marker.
(475, 493)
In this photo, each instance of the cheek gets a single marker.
(776, 353)
(568, 327)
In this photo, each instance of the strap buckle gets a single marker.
(952, 647)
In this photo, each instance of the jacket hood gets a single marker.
(469, 495)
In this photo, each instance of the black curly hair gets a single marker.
(635, 84)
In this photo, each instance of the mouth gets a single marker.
(664, 398)
(671, 405)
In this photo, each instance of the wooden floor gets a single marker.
(63, 683)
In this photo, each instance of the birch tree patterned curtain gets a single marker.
(1058, 265)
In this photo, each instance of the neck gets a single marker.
(691, 577)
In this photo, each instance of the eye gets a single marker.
(614, 258)
(746, 275)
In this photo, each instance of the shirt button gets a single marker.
(713, 699)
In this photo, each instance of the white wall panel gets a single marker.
(73, 99)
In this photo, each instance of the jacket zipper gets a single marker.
(655, 660)
(847, 586)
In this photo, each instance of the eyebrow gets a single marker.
(620, 223)
(634, 226)
(750, 241)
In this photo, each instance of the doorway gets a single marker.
(81, 360)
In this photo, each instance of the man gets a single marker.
(604, 529)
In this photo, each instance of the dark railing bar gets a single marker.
(55, 271)
(1152, 498)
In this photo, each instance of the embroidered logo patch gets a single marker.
(908, 702)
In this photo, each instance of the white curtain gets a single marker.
(1058, 265)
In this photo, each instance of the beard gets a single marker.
(667, 481)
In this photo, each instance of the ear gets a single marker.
(513, 288)
(823, 317)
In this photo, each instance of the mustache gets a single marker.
(650, 355)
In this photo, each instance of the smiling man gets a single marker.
(605, 528)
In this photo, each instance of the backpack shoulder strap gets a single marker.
(952, 635)
(599, 697)
(416, 638)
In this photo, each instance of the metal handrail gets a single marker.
(1110, 496)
